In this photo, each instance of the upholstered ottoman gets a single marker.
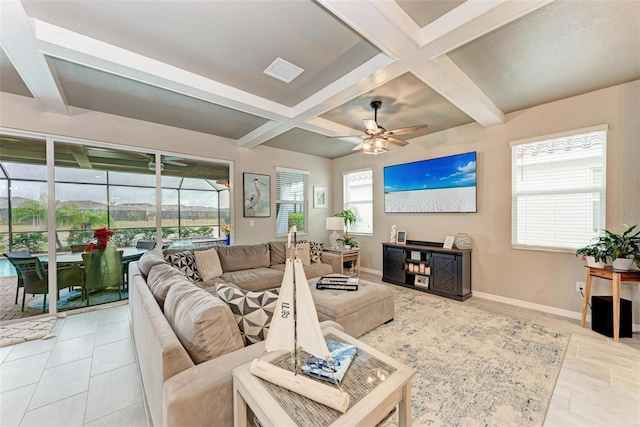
(357, 311)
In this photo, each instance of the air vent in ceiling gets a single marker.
(283, 70)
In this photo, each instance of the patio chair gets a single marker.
(78, 248)
(35, 277)
(102, 271)
(17, 255)
(144, 244)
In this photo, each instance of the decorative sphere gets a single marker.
(462, 241)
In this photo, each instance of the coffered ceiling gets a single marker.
(199, 65)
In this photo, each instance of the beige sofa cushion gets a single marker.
(253, 310)
(208, 264)
(312, 270)
(256, 279)
(278, 252)
(202, 322)
(244, 257)
(161, 278)
(149, 260)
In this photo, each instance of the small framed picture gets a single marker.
(421, 281)
(257, 195)
(448, 242)
(319, 197)
(401, 238)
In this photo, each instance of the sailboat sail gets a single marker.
(283, 324)
(295, 326)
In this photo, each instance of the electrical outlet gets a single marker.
(579, 286)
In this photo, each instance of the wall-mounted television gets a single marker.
(445, 184)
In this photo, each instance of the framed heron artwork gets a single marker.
(257, 195)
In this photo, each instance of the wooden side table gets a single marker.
(616, 277)
(347, 255)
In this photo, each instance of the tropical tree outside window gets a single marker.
(291, 200)
(558, 189)
(358, 196)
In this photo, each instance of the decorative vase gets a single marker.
(228, 240)
(462, 241)
(591, 262)
(622, 264)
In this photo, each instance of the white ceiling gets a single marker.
(199, 65)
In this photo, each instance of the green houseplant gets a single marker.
(349, 217)
(622, 248)
(597, 251)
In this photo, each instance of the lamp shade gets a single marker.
(334, 223)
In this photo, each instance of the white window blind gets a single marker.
(358, 196)
(558, 190)
(291, 200)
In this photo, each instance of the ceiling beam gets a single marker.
(18, 40)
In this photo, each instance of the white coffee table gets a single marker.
(375, 381)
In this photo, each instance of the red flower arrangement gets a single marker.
(102, 235)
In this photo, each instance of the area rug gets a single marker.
(25, 331)
(474, 368)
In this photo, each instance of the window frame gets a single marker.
(304, 202)
(345, 202)
(598, 218)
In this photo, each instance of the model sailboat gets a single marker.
(295, 327)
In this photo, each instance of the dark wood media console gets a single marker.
(428, 267)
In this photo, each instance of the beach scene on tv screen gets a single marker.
(445, 184)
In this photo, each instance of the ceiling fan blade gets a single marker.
(357, 147)
(349, 136)
(173, 162)
(371, 125)
(397, 141)
(404, 131)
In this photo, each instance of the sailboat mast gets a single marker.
(294, 253)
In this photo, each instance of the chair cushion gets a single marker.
(202, 322)
(208, 263)
(253, 310)
(185, 262)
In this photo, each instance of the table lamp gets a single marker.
(334, 223)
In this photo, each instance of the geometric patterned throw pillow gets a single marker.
(185, 262)
(253, 310)
(315, 250)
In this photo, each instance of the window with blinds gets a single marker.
(558, 190)
(358, 196)
(291, 200)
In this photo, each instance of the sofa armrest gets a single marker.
(333, 260)
(203, 395)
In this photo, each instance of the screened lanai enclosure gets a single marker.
(97, 186)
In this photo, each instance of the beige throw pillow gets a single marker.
(303, 253)
(208, 263)
(202, 322)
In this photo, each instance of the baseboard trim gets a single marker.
(524, 304)
(539, 307)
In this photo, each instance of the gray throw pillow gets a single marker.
(186, 263)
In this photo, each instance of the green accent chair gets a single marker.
(35, 277)
(102, 271)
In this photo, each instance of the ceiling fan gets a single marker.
(376, 138)
(169, 160)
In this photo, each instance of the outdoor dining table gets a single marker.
(128, 255)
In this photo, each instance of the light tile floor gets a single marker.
(86, 376)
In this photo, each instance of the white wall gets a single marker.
(21, 113)
(537, 277)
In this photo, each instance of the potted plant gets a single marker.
(594, 254)
(624, 248)
(349, 217)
